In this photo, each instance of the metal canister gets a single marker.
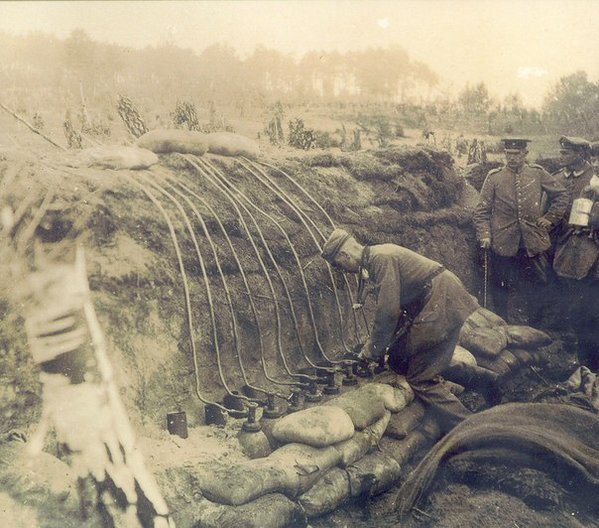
(581, 211)
(176, 423)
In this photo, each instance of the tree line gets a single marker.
(381, 76)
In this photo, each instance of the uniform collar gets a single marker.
(577, 173)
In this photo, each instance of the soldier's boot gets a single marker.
(478, 379)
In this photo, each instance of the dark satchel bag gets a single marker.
(576, 256)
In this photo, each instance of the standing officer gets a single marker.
(511, 222)
(437, 302)
(577, 250)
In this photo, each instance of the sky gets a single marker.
(511, 45)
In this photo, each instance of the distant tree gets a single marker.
(80, 52)
(221, 70)
(475, 99)
(572, 105)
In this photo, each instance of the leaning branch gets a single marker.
(30, 127)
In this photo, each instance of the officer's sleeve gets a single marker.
(388, 306)
(482, 213)
(557, 196)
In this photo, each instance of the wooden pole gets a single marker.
(32, 128)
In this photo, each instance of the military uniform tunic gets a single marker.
(438, 303)
(510, 205)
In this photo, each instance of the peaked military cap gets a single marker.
(516, 144)
(574, 143)
(333, 245)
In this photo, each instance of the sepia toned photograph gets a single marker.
(299, 264)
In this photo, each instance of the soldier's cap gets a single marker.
(574, 143)
(334, 244)
(595, 148)
(515, 144)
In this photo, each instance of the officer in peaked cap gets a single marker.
(438, 304)
(576, 260)
(513, 225)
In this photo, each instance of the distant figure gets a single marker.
(474, 153)
(429, 135)
(461, 145)
(511, 222)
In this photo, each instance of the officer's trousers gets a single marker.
(519, 280)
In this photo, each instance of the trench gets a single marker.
(207, 278)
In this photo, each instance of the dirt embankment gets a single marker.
(405, 196)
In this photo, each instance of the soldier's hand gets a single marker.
(544, 223)
(485, 243)
(367, 354)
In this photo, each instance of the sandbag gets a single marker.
(524, 356)
(117, 157)
(362, 441)
(482, 318)
(292, 469)
(403, 450)
(231, 144)
(384, 468)
(371, 475)
(394, 398)
(461, 356)
(167, 141)
(304, 465)
(35, 479)
(327, 494)
(526, 337)
(317, 426)
(363, 408)
(403, 422)
(510, 359)
(242, 483)
(496, 364)
(269, 511)
(484, 341)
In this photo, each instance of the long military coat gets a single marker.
(511, 203)
(403, 278)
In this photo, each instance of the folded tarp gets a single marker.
(558, 438)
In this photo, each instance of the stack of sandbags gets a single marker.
(324, 458)
(493, 344)
(167, 141)
(117, 157)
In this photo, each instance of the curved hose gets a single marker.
(234, 201)
(190, 324)
(222, 275)
(209, 294)
(320, 208)
(220, 176)
(273, 187)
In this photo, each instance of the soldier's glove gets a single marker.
(544, 223)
